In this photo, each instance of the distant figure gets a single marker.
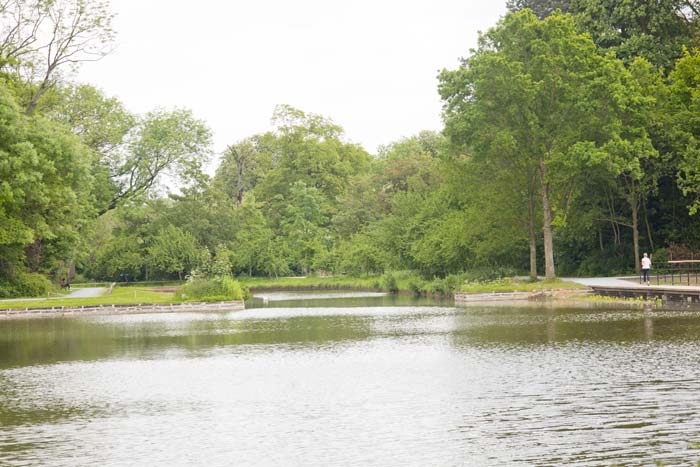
(646, 266)
(64, 284)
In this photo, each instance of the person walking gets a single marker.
(646, 266)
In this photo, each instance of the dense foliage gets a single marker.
(571, 145)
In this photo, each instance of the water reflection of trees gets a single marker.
(13, 413)
(528, 326)
(35, 342)
(352, 302)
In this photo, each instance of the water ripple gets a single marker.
(390, 386)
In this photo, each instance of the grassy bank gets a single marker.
(147, 293)
(119, 296)
(517, 285)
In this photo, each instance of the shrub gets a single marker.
(390, 283)
(437, 286)
(487, 274)
(212, 289)
(441, 286)
(416, 285)
(453, 281)
(23, 284)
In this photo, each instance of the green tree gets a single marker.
(255, 248)
(41, 39)
(409, 164)
(119, 240)
(685, 108)
(498, 200)
(541, 8)
(302, 225)
(308, 148)
(174, 144)
(121, 259)
(221, 265)
(174, 251)
(656, 30)
(102, 123)
(206, 213)
(244, 164)
(361, 255)
(539, 89)
(44, 190)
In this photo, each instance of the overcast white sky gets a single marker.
(369, 65)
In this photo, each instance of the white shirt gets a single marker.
(646, 263)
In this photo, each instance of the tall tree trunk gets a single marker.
(549, 272)
(533, 234)
(649, 236)
(239, 185)
(635, 232)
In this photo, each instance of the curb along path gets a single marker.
(98, 310)
(462, 298)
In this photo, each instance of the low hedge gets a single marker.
(212, 290)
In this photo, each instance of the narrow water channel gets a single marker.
(353, 381)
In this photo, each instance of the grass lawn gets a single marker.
(119, 296)
(515, 285)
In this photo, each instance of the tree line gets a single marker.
(570, 145)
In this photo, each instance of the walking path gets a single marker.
(619, 287)
(600, 281)
(629, 283)
(86, 292)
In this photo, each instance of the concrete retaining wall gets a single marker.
(462, 298)
(465, 297)
(69, 311)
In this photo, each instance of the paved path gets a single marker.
(620, 286)
(627, 282)
(86, 292)
(602, 281)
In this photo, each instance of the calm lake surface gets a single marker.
(342, 381)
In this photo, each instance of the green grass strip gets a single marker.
(119, 296)
(514, 285)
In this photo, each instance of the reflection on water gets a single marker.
(317, 295)
(324, 299)
(411, 385)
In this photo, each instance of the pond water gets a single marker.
(342, 381)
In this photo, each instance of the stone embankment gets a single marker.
(463, 298)
(74, 311)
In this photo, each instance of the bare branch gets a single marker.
(42, 36)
